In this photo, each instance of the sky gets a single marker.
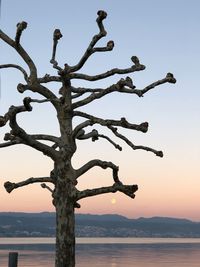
(164, 35)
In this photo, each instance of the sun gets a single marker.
(113, 201)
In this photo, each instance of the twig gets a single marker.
(134, 147)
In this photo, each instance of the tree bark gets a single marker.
(65, 232)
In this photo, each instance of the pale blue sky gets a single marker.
(165, 36)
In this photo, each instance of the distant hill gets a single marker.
(87, 225)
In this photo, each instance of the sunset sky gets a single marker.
(165, 36)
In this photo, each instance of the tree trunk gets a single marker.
(65, 223)
(65, 191)
(65, 233)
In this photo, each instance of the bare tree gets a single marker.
(66, 102)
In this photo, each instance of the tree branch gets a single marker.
(20, 50)
(112, 142)
(95, 136)
(40, 89)
(77, 95)
(134, 147)
(168, 79)
(98, 93)
(46, 137)
(11, 186)
(90, 50)
(10, 143)
(107, 73)
(121, 87)
(128, 190)
(56, 36)
(28, 100)
(143, 127)
(43, 185)
(20, 133)
(16, 67)
(20, 27)
(103, 164)
(48, 78)
(81, 90)
(40, 100)
(13, 140)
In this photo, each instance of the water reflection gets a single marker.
(156, 255)
(113, 255)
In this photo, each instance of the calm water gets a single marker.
(111, 252)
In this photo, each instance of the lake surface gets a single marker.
(107, 252)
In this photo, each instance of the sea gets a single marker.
(106, 252)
